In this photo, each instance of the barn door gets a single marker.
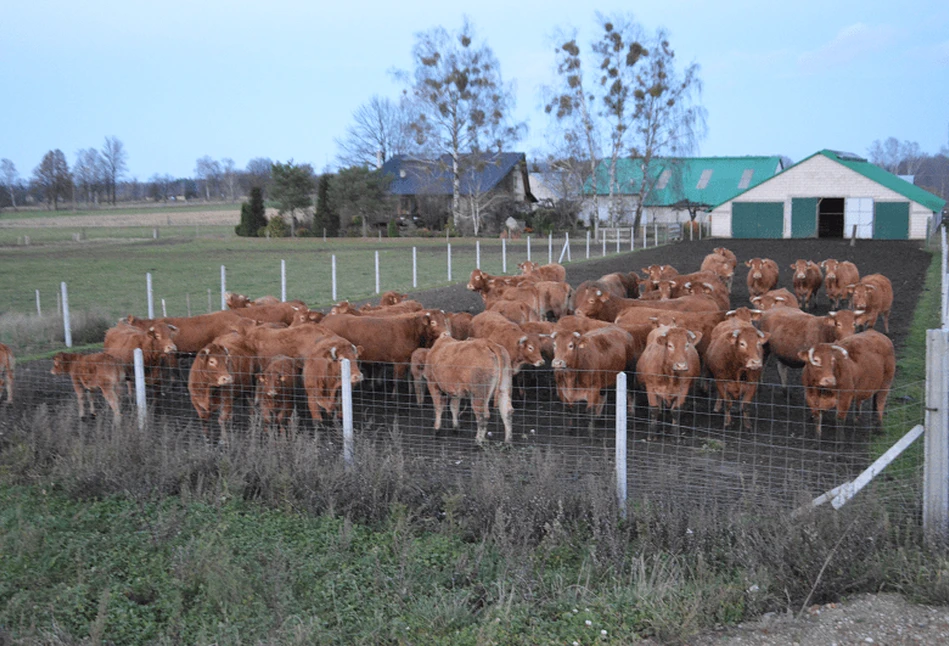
(804, 217)
(858, 211)
(757, 219)
(891, 221)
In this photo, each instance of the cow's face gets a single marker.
(744, 313)
(749, 346)
(821, 365)
(436, 324)
(565, 347)
(860, 297)
(844, 323)
(529, 349)
(162, 336)
(679, 344)
(665, 287)
(213, 361)
(477, 280)
(800, 269)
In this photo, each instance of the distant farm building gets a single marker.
(674, 189)
(830, 194)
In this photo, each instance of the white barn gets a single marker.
(828, 195)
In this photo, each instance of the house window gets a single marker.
(703, 180)
(663, 179)
(745, 180)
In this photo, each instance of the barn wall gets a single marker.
(817, 177)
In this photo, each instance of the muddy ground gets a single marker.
(781, 456)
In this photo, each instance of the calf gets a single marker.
(89, 372)
(870, 298)
(221, 370)
(479, 368)
(793, 331)
(775, 298)
(585, 364)
(156, 341)
(807, 281)
(7, 363)
(837, 276)
(735, 358)
(276, 391)
(322, 374)
(851, 370)
(762, 275)
(667, 367)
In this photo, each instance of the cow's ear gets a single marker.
(696, 337)
(764, 336)
(173, 328)
(747, 263)
(333, 352)
(357, 349)
(522, 340)
(735, 334)
(804, 355)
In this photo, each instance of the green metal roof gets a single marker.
(887, 179)
(699, 180)
(871, 172)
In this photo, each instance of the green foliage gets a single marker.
(292, 188)
(392, 229)
(326, 217)
(358, 192)
(277, 227)
(253, 215)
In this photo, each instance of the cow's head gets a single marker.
(529, 349)
(821, 364)
(679, 344)
(844, 323)
(565, 346)
(748, 342)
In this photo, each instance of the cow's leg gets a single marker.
(112, 399)
(436, 395)
(455, 405)
(9, 386)
(783, 374)
(398, 372)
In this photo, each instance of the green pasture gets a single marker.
(109, 275)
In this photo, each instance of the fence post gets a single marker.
(503, 255)
(414, 267)
(149, 295)
(550, 248)
(936, 466)
(333, 275)
(528, 248)
(604, 243)
(377, 271)
(283, 281)
(346, 401)
(621, 493)
(944, 312)
(67, 328)
(449, 262)
(655, 234)
(644, 236)
(39, 310)
(588, 244)
(164, 310)
(632, 238)
(138, 360)
(617, 240)
(478, 254)
(223, 287)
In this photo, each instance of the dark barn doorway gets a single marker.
(830, 217)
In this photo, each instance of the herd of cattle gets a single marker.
(673, 331)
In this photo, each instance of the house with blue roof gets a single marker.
(674, 189)
(830, 194)
(493, 185)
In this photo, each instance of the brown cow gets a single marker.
(553, 271)
(544, 331)
(775, 298)
(794, 331)
(517, 311)
(640, 322)
(625, 285)
(304, 316)
(275, 313)
(156, 340)
(666, 368)
(762, 275)
(487, 284)
(851, 370)
(711, 288)
(391, 297)
(269, 340)
(89, 372)
(322, 374)
(479, 368)
(722, 266)
(735, 359)
(460, 324)
(221, 370)
(402, 307)
(390, 339)
(417, 369)
(523, 348)
(276, 388)
(586, 364)
(236, 301)
(194, 332)
(807, 281)
(7, 364)
(601, 305)
(837, 275)
(870, 298)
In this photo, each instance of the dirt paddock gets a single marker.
(781, 455)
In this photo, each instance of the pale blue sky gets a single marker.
(177, 80)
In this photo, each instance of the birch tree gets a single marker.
(115, 158)
(10, 177)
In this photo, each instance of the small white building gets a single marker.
(830, 194)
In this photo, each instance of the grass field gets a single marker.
(108, 275)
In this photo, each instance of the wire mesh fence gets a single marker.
(777, 458)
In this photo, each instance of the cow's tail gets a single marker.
(502, 393)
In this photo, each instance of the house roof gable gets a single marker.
(416, 176)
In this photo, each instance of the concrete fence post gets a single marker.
(67, 328)
(621, 473)
(936, 451)
(449, 262)
(223, 287)
(141, 406)
(149, 295)
(346, 401)
(528, 247)
(377, 272)
(283, 281)
(39, 309)
(414, 267)
(333, 275)
(503, 256)
(478, 254)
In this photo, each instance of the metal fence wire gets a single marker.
(778, 459)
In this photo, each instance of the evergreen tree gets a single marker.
(326, 216)
(253, 218)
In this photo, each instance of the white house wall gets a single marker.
(818, 177)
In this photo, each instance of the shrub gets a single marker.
(277, 227)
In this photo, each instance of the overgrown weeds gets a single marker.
(29, 334)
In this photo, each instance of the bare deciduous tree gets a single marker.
(114, 155)
(91, 175)
(208, 170)
(10, 176)
(380, 128)
(52, 178)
